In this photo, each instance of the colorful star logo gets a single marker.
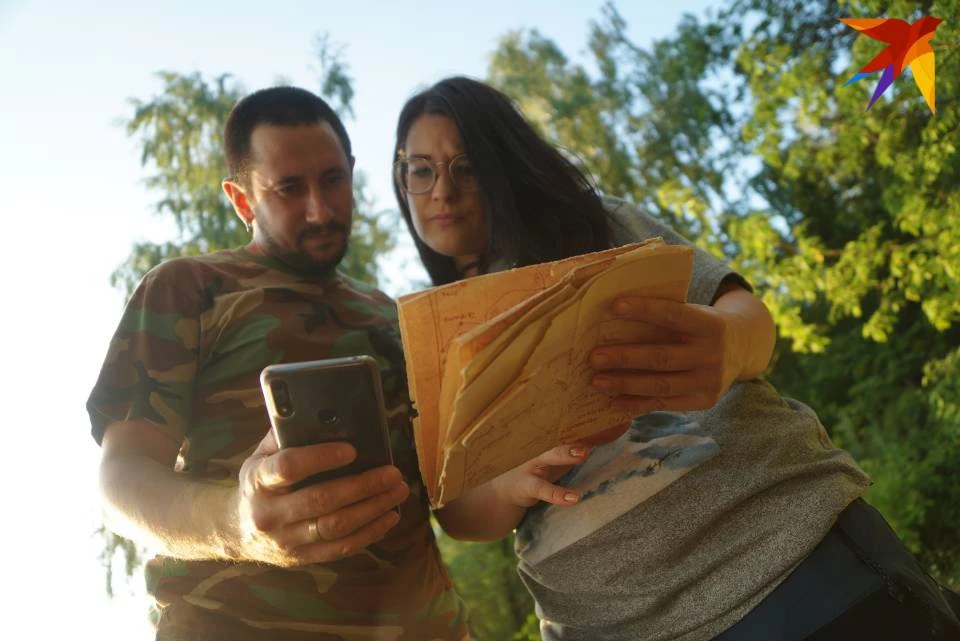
(907, 44)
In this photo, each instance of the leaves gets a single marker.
(499, 607)
(180, 135)
(737, 130)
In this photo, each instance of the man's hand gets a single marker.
(317, 523)
(262, 519)
(689, 371)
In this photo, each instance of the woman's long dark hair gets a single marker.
(539, 206)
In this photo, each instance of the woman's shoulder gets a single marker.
(617, 206)
(631, 223)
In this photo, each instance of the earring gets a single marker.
(249, 227)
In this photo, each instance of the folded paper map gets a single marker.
(497, 364)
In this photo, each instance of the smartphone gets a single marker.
(337, 399)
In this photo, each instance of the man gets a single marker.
(186, 469)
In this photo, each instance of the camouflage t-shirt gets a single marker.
(187, 358)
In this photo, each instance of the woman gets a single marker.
(724, 511)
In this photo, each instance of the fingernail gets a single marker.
(600, 359)
(578, 451)
(603, 382)
(570, 497)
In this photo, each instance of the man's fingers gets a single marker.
(326, 551)
(293, 464)
(329, 497)
(343, 523)
(328, 510)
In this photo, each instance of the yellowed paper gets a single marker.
(498, 364)
(551, 400)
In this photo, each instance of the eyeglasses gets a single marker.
(419, 175)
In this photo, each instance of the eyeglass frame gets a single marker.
(435, 166)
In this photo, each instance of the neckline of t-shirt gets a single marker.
(273, 263)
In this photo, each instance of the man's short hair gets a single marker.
(287, 106)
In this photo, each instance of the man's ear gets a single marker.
(238, 198)
(352, 163)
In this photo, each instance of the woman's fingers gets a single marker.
(660, 357)
(658, 384)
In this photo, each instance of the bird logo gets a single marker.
(907, 44)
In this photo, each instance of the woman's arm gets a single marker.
(709, 347)
(491, 511)
(754, 331)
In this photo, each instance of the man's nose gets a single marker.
(318, 209)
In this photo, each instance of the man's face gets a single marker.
(300, 189)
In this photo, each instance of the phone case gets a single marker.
(339, 399)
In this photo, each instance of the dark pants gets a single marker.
(859, 584)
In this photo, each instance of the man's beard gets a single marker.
(299, 259)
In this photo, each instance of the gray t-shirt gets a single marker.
(691, 518)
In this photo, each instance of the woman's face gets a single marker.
(450, 217)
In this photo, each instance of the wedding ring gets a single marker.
(313, 531)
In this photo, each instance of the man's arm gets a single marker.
(258, 520)
(146, 501)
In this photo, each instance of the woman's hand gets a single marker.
(532, 481)
(707, 349)
(492, 510)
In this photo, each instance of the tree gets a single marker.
(486, 578)
(179, 131)
(737, 130)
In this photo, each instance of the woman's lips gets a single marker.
(444, 220)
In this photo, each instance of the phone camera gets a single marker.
(328, 417)
(281, 398)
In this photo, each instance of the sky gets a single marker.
(73, 203)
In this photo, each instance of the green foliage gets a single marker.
(179, 132)
(486, 578)
(738, 131)
(180, 135)
(116, 548)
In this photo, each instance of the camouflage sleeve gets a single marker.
(151, 363)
